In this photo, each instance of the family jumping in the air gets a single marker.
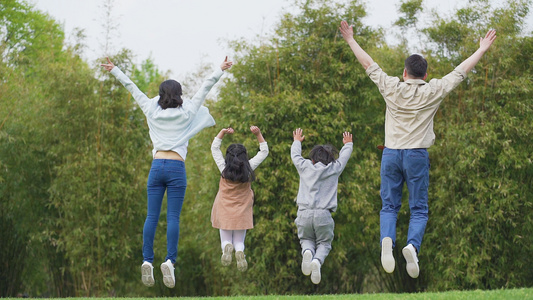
(411, 105)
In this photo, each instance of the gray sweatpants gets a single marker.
(315, 231)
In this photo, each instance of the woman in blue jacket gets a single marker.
(172, 122)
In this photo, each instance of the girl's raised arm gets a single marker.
(263, 148)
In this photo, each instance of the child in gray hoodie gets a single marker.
(317, 199)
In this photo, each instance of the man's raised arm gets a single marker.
(484, 45)
(362, 56)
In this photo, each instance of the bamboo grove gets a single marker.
(75, 153)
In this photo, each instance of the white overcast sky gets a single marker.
(179, 35)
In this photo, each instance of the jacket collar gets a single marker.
(415, 81)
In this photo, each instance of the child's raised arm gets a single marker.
(346, 150)
(257, 132)
(215, 148)
(362, 56)
(484, 45)
(263, 148)
(224, 131)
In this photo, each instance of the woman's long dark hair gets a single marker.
(324, 154)
(170, 94)
(237, 166)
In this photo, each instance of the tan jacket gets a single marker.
(411, 106)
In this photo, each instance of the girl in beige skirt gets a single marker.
(232, 210)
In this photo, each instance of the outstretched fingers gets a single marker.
(298, 135)
(346, 30)
(347, 137)
(486, 42)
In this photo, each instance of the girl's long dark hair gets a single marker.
(237, 166)
(324, 154)
(170, 94)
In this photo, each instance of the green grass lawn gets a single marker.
(524, 293)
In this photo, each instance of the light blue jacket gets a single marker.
(171, 128)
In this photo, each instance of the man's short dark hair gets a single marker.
(416, 66)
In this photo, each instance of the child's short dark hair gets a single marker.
(238, 167)
(324, 154)
(416, 66)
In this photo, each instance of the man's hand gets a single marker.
(485, 43)
(297, 135)
(346, 31)
(226, 64)
(347, 137)
(109, 66)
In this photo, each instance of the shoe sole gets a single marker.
(242, 264)
(147, 275)
(226, 255)
(306, 263)
(315, 273)
(387, 259)
(168, 278)
(412, 265)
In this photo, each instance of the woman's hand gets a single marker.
(226, 64)
(109, 66)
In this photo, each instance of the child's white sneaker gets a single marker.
(147, 271)
(315, 271)
(242, 264)
(409, 252)
(387, 259)
(167, 268)
(226, 255)
(306, 262)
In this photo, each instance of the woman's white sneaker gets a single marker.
(147, 271)
(167, 268)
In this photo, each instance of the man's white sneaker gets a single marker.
(242, 264)
(315, 271)
(409, 252)
(147, 271)
(387, 259)
(306, 262)
(167, 268)
(226, 255)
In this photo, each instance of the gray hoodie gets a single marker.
(318, 182)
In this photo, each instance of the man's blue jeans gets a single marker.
(399, 166)
(169, 175)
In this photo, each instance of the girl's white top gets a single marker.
(171, 128)
(221, 162)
